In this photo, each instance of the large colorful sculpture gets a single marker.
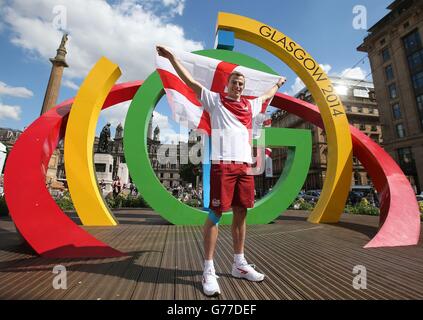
(52, 234)
(37, 217)
(80, 131)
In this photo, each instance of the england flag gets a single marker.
(212, 74)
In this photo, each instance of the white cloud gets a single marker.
(70, 84)
(296, 87)
(125, 32)
(116, 114)
(176, 5)
(11, 112)
(160, 120)
(19, 92)
(299, 84)
(168, 134)
(354, 73)
(326, 68)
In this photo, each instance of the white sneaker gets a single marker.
(210, 285)
(246, 271)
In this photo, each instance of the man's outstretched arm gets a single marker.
(272, 91)
(180, 70)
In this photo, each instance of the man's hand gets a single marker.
(281, 81)
(272, 91)
(180, 70)
(163, 52)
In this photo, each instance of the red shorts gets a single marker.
(231, 186)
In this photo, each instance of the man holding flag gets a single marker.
(229, 118)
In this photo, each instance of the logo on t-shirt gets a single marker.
(215, 202)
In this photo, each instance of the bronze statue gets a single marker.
(103, 143)
(64, 40)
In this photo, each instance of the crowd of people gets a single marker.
(187, 194)
(118, 187)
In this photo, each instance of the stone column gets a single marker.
(53, 87)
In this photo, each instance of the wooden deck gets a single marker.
(301, 261)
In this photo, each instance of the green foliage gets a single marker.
(125, 201)
(4, 211)
(189, 172)
(193, 203)
(363, 208)
(301, 204)
(121, 201)
(65, 201)
(134, 202)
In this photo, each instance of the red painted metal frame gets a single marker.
(37, 217)
(399, 223)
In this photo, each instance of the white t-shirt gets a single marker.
(231, 124)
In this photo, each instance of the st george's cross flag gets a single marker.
(212, 74)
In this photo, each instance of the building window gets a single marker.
(393, 91)
(405, 156)
(357, 179)
(362, 127)
(386, 54)
(400, 130)
(418, 80)
(100, 167)
(360, 109)
(412, 42)
(406, 25)
(371, 110)
(396, 111)
(415, 61)
(171, 175)
(389, 72)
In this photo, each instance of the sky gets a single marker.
(127, 31)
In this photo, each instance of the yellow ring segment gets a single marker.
(339, 167)
(79, 140)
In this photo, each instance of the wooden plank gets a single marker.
(149, 265)
(300, 260)
(86, 275)
(166, 277)
(32, 277)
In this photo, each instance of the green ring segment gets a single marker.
(266, 210)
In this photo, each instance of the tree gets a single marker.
(189, 172)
